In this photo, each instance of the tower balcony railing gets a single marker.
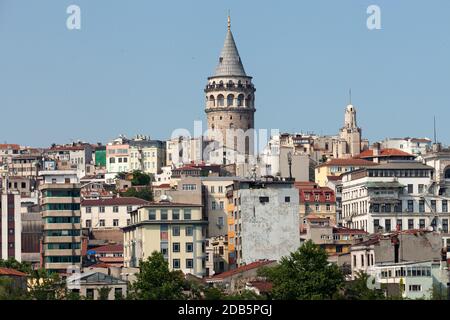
(218, 87)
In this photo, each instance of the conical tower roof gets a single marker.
(230, 63)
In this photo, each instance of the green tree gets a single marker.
(304, 275)
(103, 293)
(141, 179)
(46, 286)
(144, 193)
(213, 293)
(245, 295)
(156, 282)
(358, 289)
(12, 263)
(10, 290)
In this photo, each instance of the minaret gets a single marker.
(230, 97)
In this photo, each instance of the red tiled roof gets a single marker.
(347, 162)
(9, 146)
(121, 201)
(348, 231)
(67, 148)
(247, 267)
(115, 260)
(262, 286)
(109, 248)
(11, 272)
(334, 178)
(100, 265)
(384, 153)
(162, 186)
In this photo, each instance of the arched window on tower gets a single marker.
(230, 84)
(230, 99)
(212, 126)
(221, 84)
(231, 125)
(220, 100)
(240, 100)
(212, 101)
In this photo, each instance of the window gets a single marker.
(118, 292)
(129, 208)
(212, 189)
(187, 214)
(410, 224)
(410, 205)
(433, 206)
(354, 261)
(327, 196)
(88, 210)
(189, 247)
(189, 231)
(128, 222)
(176, 247)
(376, 225)
(102, 222)
(213, 205)
(421, 188)
(263, 199)
(176, 263)
(410, 188)
(445, 225)
(287, 199)
(444, 206)
(101, 209)
(421, 205)
(415, 287)
(88, 223)
(90, 293)
(115, 209)
(387, 224)
(220, 189)
(163, 214)
(152, 215)
(399, 224)
(362, 260)
(328, 207)
(115, 222)
(175, 231)
(189, 263)
(422, 224)
(317, 207)
(221, 205)
(189, 187)
(175, 214)
(220, 221)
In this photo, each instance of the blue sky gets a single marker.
(141, 66)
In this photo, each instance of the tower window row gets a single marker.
(230, 101)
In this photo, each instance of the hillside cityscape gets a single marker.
(229, 212)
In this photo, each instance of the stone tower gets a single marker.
(351, 133)
(230, 99)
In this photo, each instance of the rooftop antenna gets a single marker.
(435, 136)
(350, 95)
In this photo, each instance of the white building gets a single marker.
(415, 146)
(263, 220)
(113, 213)
(393, 195)
(10, 223)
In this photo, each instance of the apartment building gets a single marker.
(108, 213)
(263, 220)
(174, 229)
(60, 209)
(215, 195)
(10, 223)
(216, 255)
(395, 195)
(415, 146)
(140, 153)
(336, 167)
(317, 201)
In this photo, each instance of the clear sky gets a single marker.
(140, 66)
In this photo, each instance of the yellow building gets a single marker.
(336, 167)
(174, 229)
